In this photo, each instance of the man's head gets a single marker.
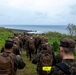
(43, 35)
(44, 47)
(37, 35)
(67, 46)
(8, 46)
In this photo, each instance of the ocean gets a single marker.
(39, 28)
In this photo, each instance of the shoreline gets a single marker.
(29, 31)
(39, 29)
(18, 30)
(24, 31)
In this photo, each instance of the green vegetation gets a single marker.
(30, 68)
(54, 39)
(4, 34)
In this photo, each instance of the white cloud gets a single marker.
(38, 10)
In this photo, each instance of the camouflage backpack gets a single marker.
(45, 63)
(6, 64)
(31, 44)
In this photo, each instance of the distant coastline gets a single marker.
(20, 30)
(38, 28)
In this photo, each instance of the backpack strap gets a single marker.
(63, 67)
(54, 60)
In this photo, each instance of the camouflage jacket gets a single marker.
(17, 61)
(71, 63)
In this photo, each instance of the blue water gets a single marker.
(40, 28)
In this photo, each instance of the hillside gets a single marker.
(30, 68)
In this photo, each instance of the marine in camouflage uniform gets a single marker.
(17, 61)
(37, 43)
(31, 47)
(67, 48)
(45, 47)
(16, 50)
(43, 40)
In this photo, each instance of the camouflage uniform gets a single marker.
(37, 43)
(45, 48)
(16, 60)
(71, 63)
(37, 59)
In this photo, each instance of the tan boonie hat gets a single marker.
(67, 43)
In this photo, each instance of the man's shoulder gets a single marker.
(70, 63)
(7, 53)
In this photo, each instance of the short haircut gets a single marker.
(68, 45)
(8, 45)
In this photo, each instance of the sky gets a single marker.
(37, 12)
